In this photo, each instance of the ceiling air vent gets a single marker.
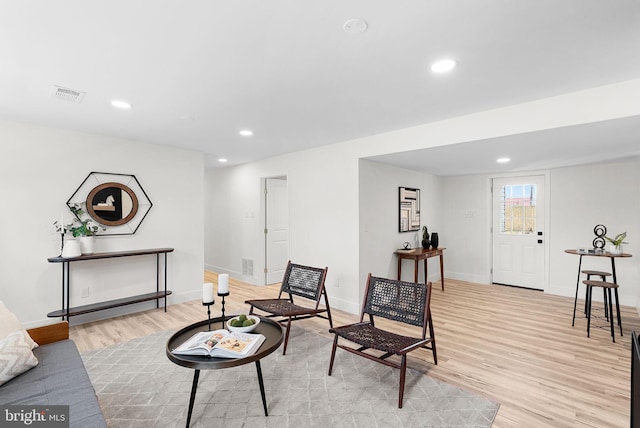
(68, 95)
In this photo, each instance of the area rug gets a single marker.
(139, 387)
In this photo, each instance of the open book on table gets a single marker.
(221, 343)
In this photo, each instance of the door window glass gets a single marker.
(518, 209)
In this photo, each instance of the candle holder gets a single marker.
(61, 242)
(208, 305)
(223, 295)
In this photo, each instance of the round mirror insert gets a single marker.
(112, 204)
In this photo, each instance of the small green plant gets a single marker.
(618, 240)
(82, 225)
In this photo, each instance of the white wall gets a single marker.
(466, 212)
(379, 220)
(581, 198)
(40, 168)
(324, 192)
(323, 213)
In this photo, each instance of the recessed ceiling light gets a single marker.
(246, 133)
(503, 160)
(222, 160)
(443, 66)
(355, 26)
(121, 104)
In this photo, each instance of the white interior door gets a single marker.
(276, 229)
(519, 231)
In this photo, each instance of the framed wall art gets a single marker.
(409, 203)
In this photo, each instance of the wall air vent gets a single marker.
(247, 267)
(68, 95)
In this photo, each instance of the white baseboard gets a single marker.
(460, 276)
(233, 274)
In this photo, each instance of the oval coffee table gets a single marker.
(269, 328)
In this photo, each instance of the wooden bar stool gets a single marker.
(607, 287)
(590, 273)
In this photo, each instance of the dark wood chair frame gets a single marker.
(589, 273)
(606, 288)
(400, 301)
(302, 281)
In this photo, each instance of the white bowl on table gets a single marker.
(248, 329)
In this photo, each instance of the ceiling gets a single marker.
(198, 72)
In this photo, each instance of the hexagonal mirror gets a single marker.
(117, 201)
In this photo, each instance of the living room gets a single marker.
(342, 204)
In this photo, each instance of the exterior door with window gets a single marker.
(519, 231)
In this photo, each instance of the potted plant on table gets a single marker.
(85, 228)
(616, 243)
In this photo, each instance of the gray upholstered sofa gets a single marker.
(59, 378)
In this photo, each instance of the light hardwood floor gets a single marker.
(511, 345)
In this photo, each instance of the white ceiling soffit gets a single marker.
(606, 141)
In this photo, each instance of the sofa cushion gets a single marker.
(16, 356)
(10, 323)
(59, 379)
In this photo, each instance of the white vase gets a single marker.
(71, 248)
(613, 249)
(86, 244)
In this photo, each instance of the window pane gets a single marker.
(518, 209)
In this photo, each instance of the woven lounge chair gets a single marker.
(302, 281)
(404, 302)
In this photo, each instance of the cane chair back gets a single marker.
(403, 302)
(303, 281)
(307, 284)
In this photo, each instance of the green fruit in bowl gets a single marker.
(243, 320)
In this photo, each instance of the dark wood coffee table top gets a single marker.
(269, 328)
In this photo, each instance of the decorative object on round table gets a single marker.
(434, 240)
(616, 243)
(425, 238)
(599, 231)
(615, 249)
(244, 329)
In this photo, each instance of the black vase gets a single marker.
(425, 244)
(434, 240)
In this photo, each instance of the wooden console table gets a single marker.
(67, 311)
(416, 255)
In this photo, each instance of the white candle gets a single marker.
(207, 292)
(61, 222)
(223, 283)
